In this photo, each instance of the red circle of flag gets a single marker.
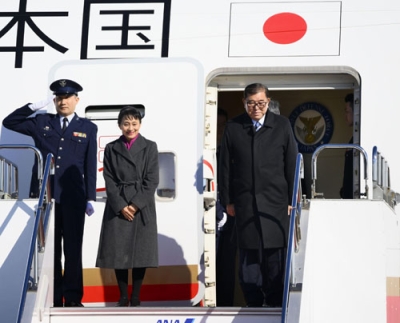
(285, 28)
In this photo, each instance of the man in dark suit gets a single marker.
(257, 166)
(73, 142)
(225, 247)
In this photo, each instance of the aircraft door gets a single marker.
(172, 98)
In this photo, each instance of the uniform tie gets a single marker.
(65, 120)
(256, 125)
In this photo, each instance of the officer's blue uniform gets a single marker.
(72, 185)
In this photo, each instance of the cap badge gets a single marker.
(63, 83)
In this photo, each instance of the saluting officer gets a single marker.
(73, 142)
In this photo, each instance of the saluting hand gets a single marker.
(41, 104)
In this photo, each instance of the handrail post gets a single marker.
(44, 196)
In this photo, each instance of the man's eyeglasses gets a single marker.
(260, 104)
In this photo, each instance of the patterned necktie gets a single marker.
(65, 120)
(256, 125)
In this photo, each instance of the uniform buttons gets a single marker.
(62, 139)
(57, 166)
(60, 148)
(59, 157)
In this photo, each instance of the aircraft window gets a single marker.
(166, 188)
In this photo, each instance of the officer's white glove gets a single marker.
(222, 222)
(41, 104)
(89, 209)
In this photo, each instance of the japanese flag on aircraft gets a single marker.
(285, 29)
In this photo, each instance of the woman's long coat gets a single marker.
(256, 174)
(131, 176)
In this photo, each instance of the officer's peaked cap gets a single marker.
(65, 86)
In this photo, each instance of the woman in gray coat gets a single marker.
(128, 238)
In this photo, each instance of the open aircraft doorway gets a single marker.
(315, 91)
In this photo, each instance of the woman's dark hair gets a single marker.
(129, 111)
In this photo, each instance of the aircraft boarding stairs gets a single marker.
(332, 246)
(23, 226)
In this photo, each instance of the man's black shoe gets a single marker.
(73, 304)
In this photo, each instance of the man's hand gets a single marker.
(89, 209)
(230, 209)
(41, 104)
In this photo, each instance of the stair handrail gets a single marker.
(44, 204)
(293, 239)
(9, 178)
(38, 241)
(36, 151)
(314, 158)
(381, 188)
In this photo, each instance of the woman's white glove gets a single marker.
(41, 104)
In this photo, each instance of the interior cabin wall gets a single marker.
(330, 163)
